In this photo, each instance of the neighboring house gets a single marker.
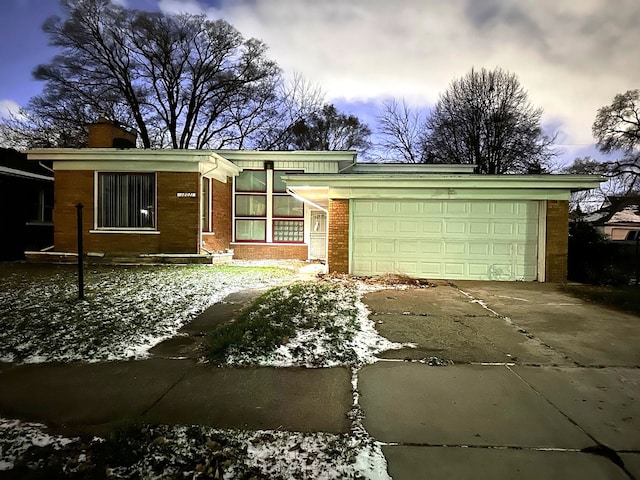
(618, 219)
(26, 204)
(432, 221)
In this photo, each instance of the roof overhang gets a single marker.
(13, 172)
(320, 188)
(206, 162)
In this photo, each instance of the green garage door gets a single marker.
(479, 240)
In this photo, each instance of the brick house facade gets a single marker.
(435, 221)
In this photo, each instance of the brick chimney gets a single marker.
(107, 134)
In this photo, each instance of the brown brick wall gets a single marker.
(270, 252)
(71, 188)
(338, 255)
(178, 218)
(220, 216)
(557, 240)
(103, 133)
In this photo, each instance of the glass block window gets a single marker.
(251, 230)
(288, 231)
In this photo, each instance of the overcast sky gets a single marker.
(572, 56)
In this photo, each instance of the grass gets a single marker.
(625, 298)
(138, 450)
(126, 310)
(311, 320)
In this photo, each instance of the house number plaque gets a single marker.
(186, 194)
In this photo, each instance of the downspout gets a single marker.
(200, 236)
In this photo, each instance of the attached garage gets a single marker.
(452, 239)
(444, 222)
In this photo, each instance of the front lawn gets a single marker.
(137, 451)
(312, 324)
(126, 311)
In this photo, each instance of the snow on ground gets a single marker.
(126, 311)
(331, 325)
(188, 451)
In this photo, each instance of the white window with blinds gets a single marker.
(126, 201)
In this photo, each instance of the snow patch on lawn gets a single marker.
(192, 451)
(332, 328)
(126, 311)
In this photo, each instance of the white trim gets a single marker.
(274, 244)
(21, 173)
(542, 241)
(127, 231)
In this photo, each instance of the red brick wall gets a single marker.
(178, 218)
(557, 240)
(338, 255)
(270, 252)
(221, 218)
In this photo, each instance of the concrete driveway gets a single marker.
(542, 385)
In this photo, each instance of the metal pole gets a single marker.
(637, 257)
(80, 255)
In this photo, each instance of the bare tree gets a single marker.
(486, 119)
(330, 129)
(617, 128)
(296, 100)
(400, 129)
(183, 81)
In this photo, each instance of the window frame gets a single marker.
(98, 220)
(270, 218)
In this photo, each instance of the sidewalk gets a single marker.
(90, 397)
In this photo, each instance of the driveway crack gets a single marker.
(599, 448)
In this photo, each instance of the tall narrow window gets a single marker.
(251, 206)
(206, 204)
(127, 200)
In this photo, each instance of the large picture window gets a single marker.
(127, 200)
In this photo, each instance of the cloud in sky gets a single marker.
(572, 57)
(8, 107)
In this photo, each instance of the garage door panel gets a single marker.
(457, 208)
(479, 228)
(479, 249)
(446, 239)
(430, 226)
(432, 248)
(407, 226)
(455, 248)
(454, 269)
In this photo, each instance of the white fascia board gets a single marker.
(438, 181)
(12, 172)
(447, 193)
(136, 160)
(280, 155)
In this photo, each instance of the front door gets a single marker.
(318, 241)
